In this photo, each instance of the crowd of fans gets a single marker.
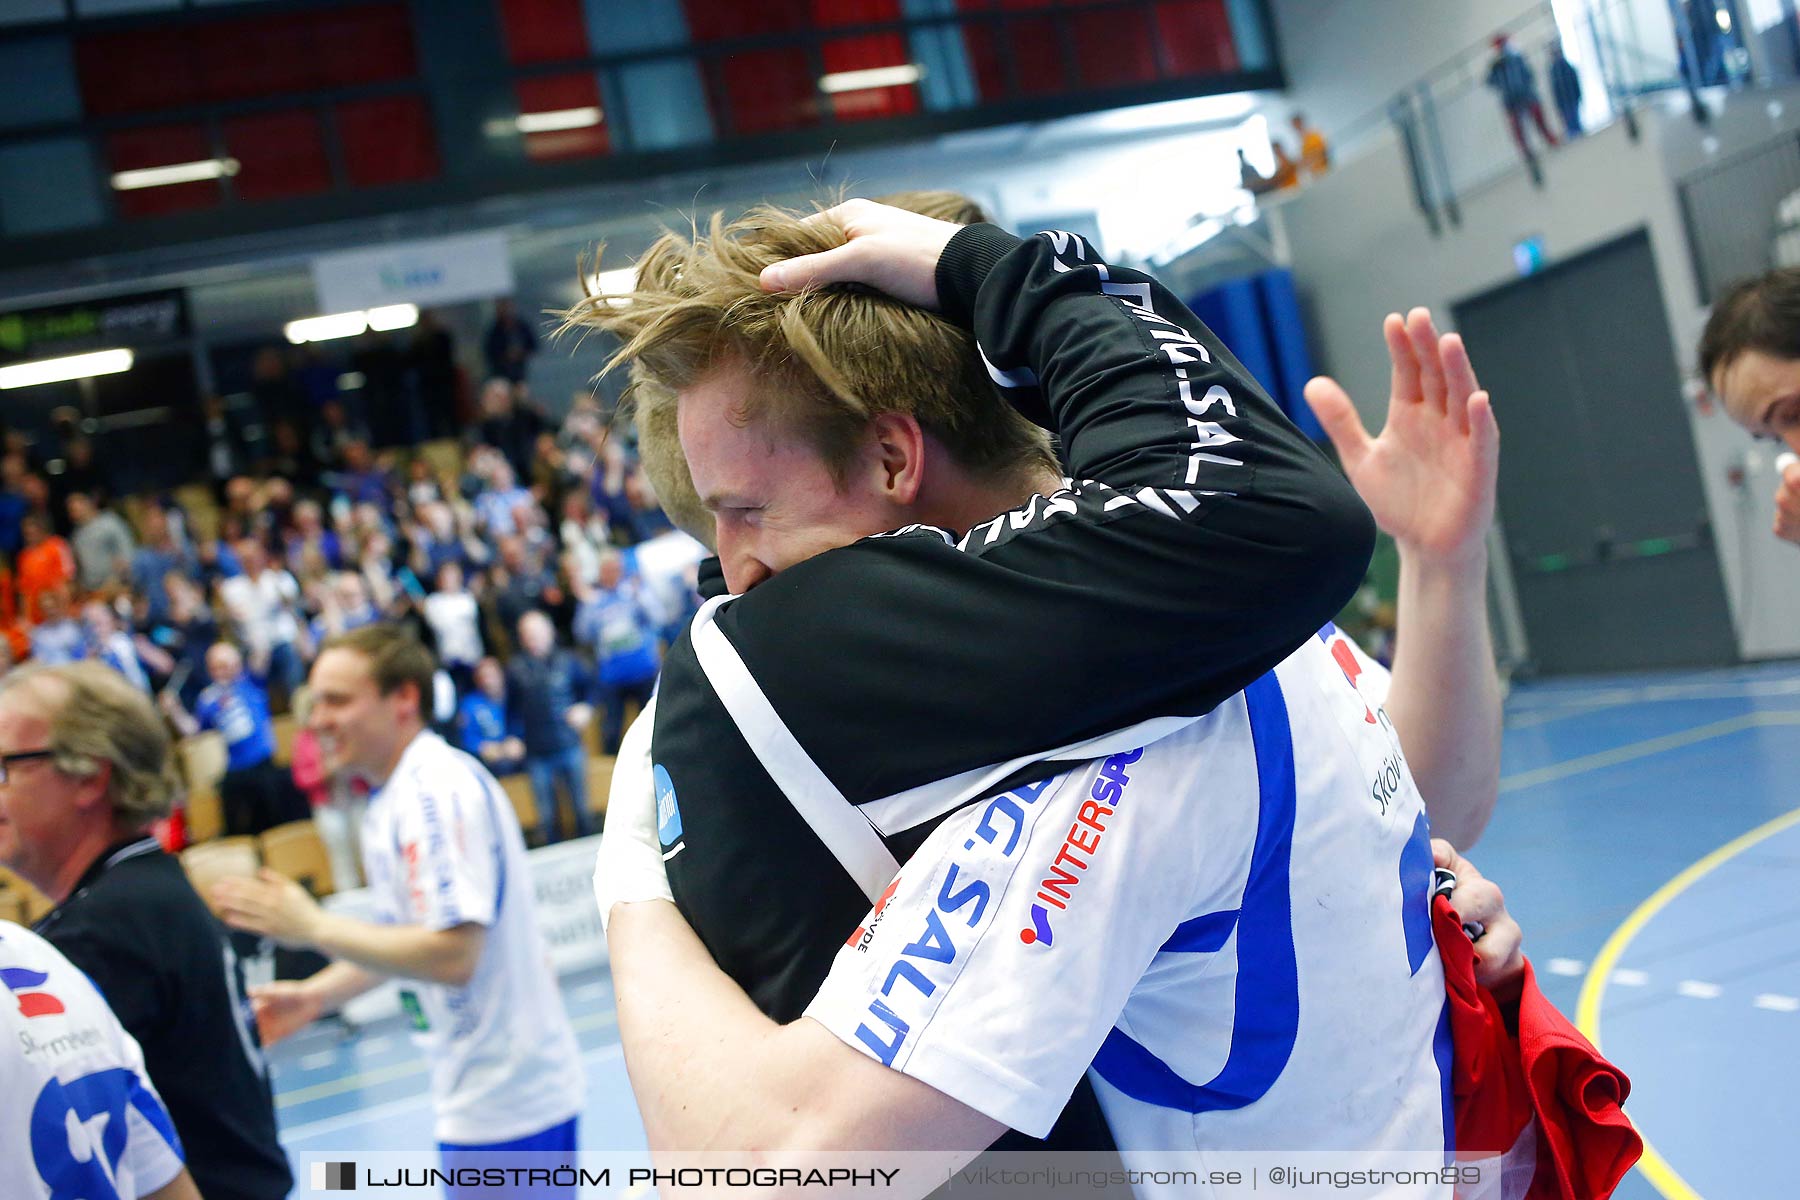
(511, 550)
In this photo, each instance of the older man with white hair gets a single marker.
(84, 770)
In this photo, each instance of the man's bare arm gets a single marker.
(711, 1072)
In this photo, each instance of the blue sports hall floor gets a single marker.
(1648, 840)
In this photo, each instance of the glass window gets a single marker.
(40, 82)
(48, 186)
(660, 104)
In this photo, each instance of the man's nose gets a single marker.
(737, 554)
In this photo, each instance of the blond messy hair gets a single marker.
(826, 361)
(97, 717)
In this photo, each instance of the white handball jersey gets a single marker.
(79, 1116)
(443, 848)
(1230, 927)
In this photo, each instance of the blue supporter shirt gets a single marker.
(239, 710)
(621, 632)
(56, 642)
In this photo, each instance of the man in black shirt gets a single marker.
(86, 769)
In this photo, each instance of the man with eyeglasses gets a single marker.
(84, 769)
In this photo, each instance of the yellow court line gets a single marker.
(1643, 749)
(1656, 1169)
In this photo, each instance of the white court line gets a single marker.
(1645, 748)
(363, 1116)
(1777, 1003)
(1697, 989)
(1567, 966)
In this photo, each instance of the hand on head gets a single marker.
(889, 249)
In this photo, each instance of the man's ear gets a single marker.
(897, 457)
(92, 792)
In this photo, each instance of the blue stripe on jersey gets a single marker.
(1444, 1052)
(1415, 893)
(1326, 633)
(1202, 935)
(151, 1109)
(1268, 984)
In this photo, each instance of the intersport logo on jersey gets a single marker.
(1085, 835)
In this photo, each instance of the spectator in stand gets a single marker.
(1565, 89)
(108, 642)
(585, 537)
(12, 634)
(45, 563)
(289, 456)
(102, 542)
(509, 425)
(216, 562)
(647, 517)
(387, 401)
(160, 553)
(454, 616)
(608, 492)
(80, 473)
(496, 505)
(87, 770)
(174, 646)
(546, 692)
(529, 585)
(278, 398)
(433, 358)
(421, 487)
(616, 624)
(336, 430)
(345, 606)
(337, 801)
(58, 637)
(13, 504)
(436, 540)
(509, 344)
(1287, 169)
(308, 533)
(362, 480)
(1511, 76)
(1315, 155)
(256, 794)
(263, 603)
(483, 727)
(223, 444)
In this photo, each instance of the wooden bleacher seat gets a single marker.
(205, 816)
(296, 851)
(202, 760)
(518, 790)
(287, 728)
(224, 858)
